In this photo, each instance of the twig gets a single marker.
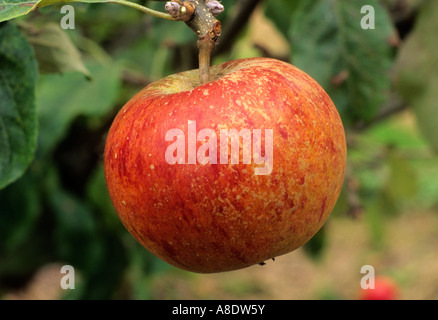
(355, 206)
(394, 106)
(233, 27)
(199, 16)
(144, 9)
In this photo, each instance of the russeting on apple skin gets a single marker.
(193, 197)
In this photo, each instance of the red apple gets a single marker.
(384, 289)
(197, 200)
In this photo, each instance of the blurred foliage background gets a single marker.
(384, 82)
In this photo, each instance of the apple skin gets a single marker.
(221, 217)
(384, 289)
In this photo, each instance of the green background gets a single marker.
(60, 90)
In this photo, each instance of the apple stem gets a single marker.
(205, 46)
(199, 15)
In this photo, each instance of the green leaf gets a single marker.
(280, 12)
(401, 186)
(10, 9)
(20, 207)
(402, 182)
(376, 223)
(20, 264)
(14, 8)
(314, 248)
(18, 122)
(104, 278)
(75, 229)
(97, 195)
(62, 98)
(54, 50)
(417, 72)
(352, 64)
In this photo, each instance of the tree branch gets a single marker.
(234, 27)
(199, 16)
(144, 9)
(394, 106)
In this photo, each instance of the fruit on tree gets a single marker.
(384, 289)
(193, 197)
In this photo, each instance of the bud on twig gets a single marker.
(214, 6)
(181, 11)
(173, 8)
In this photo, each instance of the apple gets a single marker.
(228, 174)
(384, 289)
